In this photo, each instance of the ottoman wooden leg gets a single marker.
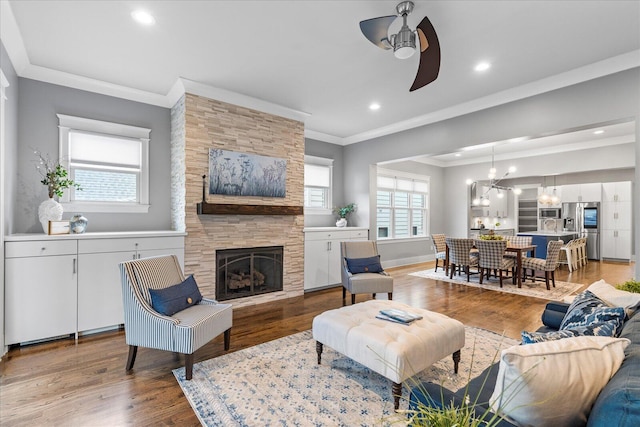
(456, 360)
(397, 394)
(319, 350)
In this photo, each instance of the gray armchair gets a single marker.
(183, 332)
(362, 282)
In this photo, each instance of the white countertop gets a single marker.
(333, 229)
(548, 233)
(19, 237)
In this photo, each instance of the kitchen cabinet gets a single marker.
(322, 264)
(591, 192)
(40, 290)
(616, 220)
(59, 285)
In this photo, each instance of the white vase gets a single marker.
(49, 210)
(342, 222)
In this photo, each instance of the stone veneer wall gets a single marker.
(198, 124)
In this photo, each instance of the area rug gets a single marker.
(280, 383)
(531, 289)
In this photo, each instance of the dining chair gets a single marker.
(440, 244)
(491, 255)
(460, 255)
(518, 241)
(548, 264)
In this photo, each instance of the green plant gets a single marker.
(630, 286)
(344, 211)
(54, 175)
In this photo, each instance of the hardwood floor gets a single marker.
(83, 383)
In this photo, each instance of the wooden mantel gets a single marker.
(205, 208)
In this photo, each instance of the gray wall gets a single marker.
(328, 151)
(596, 101)
(38, 129)
(11, 139)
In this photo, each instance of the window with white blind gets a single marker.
(318, 174)
(402, 205)
(110, 161)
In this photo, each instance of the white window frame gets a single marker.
(427, 210)
(71, 123)
(321, 161)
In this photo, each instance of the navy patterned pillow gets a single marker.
(364, 265)
(587, 309)
(608, 328)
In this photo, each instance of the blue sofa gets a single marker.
(618, 404)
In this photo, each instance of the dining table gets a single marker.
(519, 250)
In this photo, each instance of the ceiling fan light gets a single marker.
(404, 43)
(404, 52)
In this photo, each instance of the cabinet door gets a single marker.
(335, 263)
(40, 297)
(623, 244)
(570, 193)
(589, 192)
(100, 290)
(316, 263)
(616, 191)
(608, 244)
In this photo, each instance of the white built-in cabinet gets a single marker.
(616, 220)
(322, 264)
(591, 192)
(60, 285)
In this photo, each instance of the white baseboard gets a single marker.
(408, 261)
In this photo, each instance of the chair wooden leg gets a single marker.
(481, 275)
(452, 269)
(467, 270)
(500, 276)
(390, 295)
(553, 278)
(546, 280)
(373, 296)
(227, 339)
(353, 299)
(131, 359)
(436, 270)
(344, 292)
(188, 366)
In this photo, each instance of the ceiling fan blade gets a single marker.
(376, 30)
(429, 55)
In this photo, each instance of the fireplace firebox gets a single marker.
(248, 271)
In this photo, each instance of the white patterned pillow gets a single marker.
(555, 383)
(587, 309)
(615, 297)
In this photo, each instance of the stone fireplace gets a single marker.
(248, 271)
(198, 124)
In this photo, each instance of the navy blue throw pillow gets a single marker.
(169, 301)
(364, 265)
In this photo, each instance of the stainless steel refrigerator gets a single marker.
(584, 218)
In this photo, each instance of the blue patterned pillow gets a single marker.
(587, 309)
(603, 329)
(364, 265)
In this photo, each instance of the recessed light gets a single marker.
(598, 132)
(522, 138)
(143, 17)
(482, 66)
(457, 154)
(374, 106)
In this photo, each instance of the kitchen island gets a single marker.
(542, 238)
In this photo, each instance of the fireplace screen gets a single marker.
(248, 271)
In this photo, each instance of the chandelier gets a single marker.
(494, 184)
(548, 199)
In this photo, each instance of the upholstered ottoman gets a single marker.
(395, 351)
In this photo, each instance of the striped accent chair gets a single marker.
(185, 331)
(362, 283)
(547, 265)
(492, 257)
(460, 255)
(439, 242)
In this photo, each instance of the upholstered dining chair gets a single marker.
(362, 272)
(182, 332)
(460, 255)
(548, 264)
(441, 250)
(518, 241)
(492, 257)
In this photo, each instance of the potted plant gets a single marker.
(343, 212)
(56, 178)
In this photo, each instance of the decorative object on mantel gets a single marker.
(205, 208)
(343, 212)
(548, 199)
(494, 184)
(56, 178)
(78, 223)
(241, 174)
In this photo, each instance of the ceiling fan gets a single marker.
(404, 42)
